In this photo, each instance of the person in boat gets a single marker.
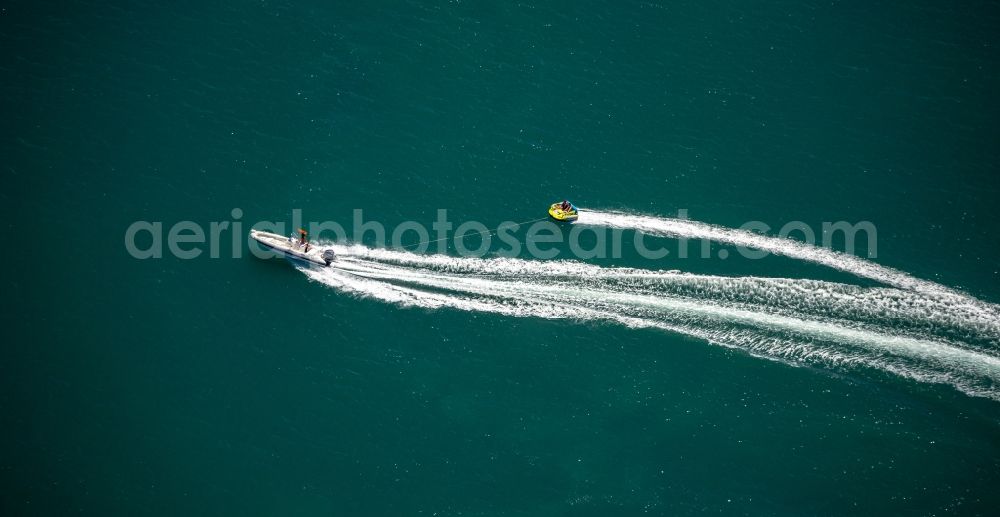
(566, 206)
(303, 241)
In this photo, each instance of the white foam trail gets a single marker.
(946, 316)
(517, 287)
(683, 228)
(679, 307)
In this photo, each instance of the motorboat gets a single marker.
(294, 249)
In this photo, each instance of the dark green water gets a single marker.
(237, 386)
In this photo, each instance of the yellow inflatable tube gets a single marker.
(559, 214)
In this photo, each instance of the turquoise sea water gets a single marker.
(248, 387)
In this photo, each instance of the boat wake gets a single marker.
(685, 228)
(915, 329)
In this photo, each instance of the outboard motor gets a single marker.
(329, 256)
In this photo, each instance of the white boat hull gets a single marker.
(290, 248)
